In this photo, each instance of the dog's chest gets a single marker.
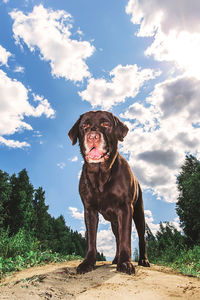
(106, 192)
(106, 201)
(107, 204)
(108, 207)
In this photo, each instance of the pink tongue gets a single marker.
(95, 154)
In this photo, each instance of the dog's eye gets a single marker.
(105, 124)
(85, 125)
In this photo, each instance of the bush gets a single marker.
(188, 261)
(21, 242)
(22, 251)
(168, 248)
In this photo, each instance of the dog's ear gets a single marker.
(74, 131)
(121, 129)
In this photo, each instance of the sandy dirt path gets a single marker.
(60, 281)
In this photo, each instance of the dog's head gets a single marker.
(98, 133)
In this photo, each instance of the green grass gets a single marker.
(22, 251)
(30, 259)
(186, 261)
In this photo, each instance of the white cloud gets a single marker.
(4, 55)
(76, 214)
(176, 40)
(155, 227)
(102, 221)
(82, 232)
(183, 48)
(150, 153)
(125, 81)
(37, 134)
(14, 107)
(141, 115)
(61, 165)
(49, 31)
(12, 143)
(74, 159)
(177, 97)
(158, 150)
(150, 221)
(106, 242)
(5, 1)
(80, 216)
(155, 14)
(80, 32)
(163, 129)
(19, 69)
(176, 224)
(79, 174)
(44, 107)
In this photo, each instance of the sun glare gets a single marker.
(184, 49)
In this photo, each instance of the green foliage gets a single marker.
(166, 244)
(188, 205)
(168, 247)
(136, 255)
(20, 209)
(188, 261)
(30, 259)
(5, 191)
(29, 235)
(42, 217)
(21, 242)
(100, 257)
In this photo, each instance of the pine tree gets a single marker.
(188, 205)
(21, 212)
(5, 191)
(152, 243)
(100, 257)
(136, 255)
(42, 216)
(165, 244)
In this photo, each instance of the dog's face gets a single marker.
(98, 133)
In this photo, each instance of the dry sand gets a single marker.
(60, 281)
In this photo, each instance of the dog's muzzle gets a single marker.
(95, 147)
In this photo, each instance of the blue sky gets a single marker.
(137, 59)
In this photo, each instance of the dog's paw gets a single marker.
(144, 263)
(115, 260)
(126, 267)
(84, 267)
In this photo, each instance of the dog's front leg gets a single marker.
(91, 222)
(124, 226)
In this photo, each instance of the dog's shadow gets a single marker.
(64, 281)
(75, 284)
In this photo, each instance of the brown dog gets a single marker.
(108, 186)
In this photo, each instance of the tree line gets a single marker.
(24, 215)
(170, 246)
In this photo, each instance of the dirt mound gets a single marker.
(60, 281)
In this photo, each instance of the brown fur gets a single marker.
(109, 187)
